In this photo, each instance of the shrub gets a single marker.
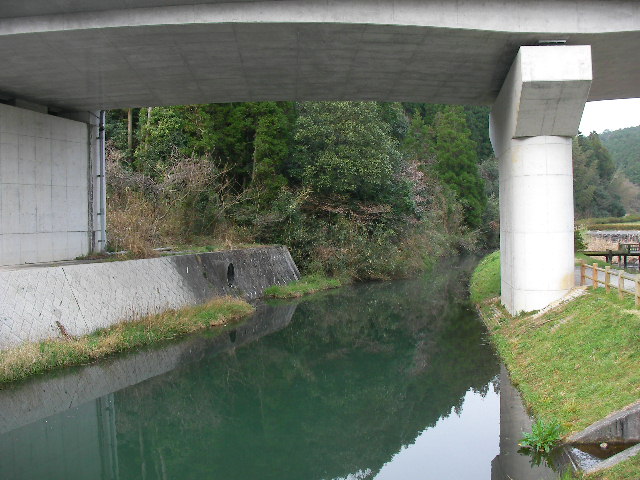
(188, 199)
(543, 436)
(578, 240)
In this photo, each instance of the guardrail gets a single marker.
(607, 280)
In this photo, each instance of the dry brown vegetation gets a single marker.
(146, 213)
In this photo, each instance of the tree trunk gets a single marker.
(130, 133)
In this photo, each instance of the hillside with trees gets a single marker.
(367, 189)
(624, 146)
(596, 191)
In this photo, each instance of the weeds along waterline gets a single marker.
(36, 358)
(306, 285)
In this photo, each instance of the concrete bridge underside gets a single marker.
(62, 58)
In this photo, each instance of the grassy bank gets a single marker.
(36, 358)
(576, 363)
(629, 470)
(581, 257)
(304, 286)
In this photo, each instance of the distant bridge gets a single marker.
(73, 58)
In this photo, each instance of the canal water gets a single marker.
(388, 381)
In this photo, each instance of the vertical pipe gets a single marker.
(103, 183)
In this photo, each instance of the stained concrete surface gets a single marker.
(86, 297)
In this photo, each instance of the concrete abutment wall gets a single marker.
(47, 174)
(85, 297)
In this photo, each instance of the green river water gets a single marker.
(390, 380)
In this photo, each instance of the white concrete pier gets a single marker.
(537, 113)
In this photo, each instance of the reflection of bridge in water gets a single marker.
(64, 61)
(513, 421)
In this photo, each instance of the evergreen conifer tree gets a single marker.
(457, 162)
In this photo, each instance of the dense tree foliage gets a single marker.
(476, 118)
(457, 162)
(370, 189)
(340, 183)
(345, 148)
(593, 173)
(624, 146)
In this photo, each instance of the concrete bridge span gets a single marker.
(73, 58)
(88, 55)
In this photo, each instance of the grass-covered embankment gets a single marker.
(36, 358)
(627, 470)
(576, 363)
(306, 285)
(581, 257)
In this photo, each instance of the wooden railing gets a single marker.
(622, 275)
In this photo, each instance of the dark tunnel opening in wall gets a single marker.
(231, 276)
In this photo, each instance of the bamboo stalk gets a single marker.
(583, 272)
(607, 279)
(595, 276)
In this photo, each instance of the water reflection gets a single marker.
(387, 381)
(511, 464)
(471, 435)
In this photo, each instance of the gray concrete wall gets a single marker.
(44, 194)
(87, 297)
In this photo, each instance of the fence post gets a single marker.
(607, 279)
(583, 272)
(620, 285)
(637, 290)
(595, 276)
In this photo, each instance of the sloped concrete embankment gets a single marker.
(40, 303)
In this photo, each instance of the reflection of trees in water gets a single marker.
(359, 374)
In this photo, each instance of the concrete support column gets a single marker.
(533, 121)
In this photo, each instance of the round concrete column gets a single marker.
(536, 222)
(533, 121)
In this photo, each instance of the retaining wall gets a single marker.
(39, 302)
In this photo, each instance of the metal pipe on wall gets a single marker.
(103, 183)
